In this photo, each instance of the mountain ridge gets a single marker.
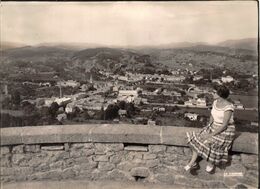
(246, 43)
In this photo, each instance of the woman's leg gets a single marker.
(193, 158)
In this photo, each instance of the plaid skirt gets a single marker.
(216, 151)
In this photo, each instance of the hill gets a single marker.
(249, 43)
(71, 62)
(115, 60)
(205, 56)
(9, 45)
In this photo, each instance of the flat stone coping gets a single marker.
(118, 133)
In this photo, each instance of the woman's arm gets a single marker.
(227, 116)
(210, 120)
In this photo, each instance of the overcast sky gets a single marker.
(128, 23)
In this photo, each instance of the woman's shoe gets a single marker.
(189, 168)
(210, 168)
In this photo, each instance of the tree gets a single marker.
(53, 109)
(16, 98)
(130, 109)
(122, 105)
(111, 111)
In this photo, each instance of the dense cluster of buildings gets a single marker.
(122, 88)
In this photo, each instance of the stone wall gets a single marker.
(130, 155)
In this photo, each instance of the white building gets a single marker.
(191, 116)
(128, 95)
(174, 78)
(151, 122)
(61, 117)
(201, 102)
(122, 113)
(196, 78)
(78, 96)
(189, 103)
(161, 109)
(227, 79)
(84, 87)
(123, 78)
(48, 101)
(216, 81)
(64, 100)
(69, 83)
(238, 104)
(255, 124)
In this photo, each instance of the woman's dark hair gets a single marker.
(222, 91)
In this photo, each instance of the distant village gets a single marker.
(153, 99)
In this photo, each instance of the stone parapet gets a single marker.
(119, 133)
(153, 163)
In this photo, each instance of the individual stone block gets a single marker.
(171, 158)
(42, 168)
(116, 175)
(136, 155)
(249, 159)
(115, 159)
(35, 161)
(56, 165)
(23, 171)
(68, 173)
(100, 148)
(4, 150)
(148, 156)
(126, 166)
(18, 149)
(7, 171)
(68, 163)
(140, 172)
(52, 175)
(187, 151)
(175, 150)
(236, 157)
(77, 146)
(60, 155)
(75, 153)
(105, 166)
(115, 147)
(53, 148)
(89, 145)
(88, 152)
(4, 179)
(88, 166)
(84, 174)
(5, 160)
(157, 148)
(251, 178)
(66, 147)
(152, 163)
(98, 175)
(103, 158)
(32, 148)
(18, 158)
(136, 148)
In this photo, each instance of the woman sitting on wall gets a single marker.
(213, 141)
